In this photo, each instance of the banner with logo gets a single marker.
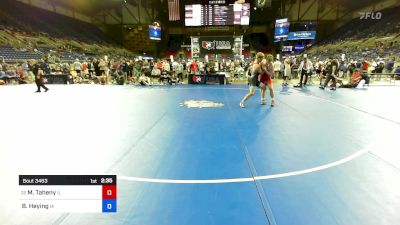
(195, 47)
(216, 45)
(301, 35)
(299, 48)
(288, 48)
(238, 47)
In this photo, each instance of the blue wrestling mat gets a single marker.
(189, 155)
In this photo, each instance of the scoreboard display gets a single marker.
(281, 29)
(68, 193)
(217, 15)
(155, 32)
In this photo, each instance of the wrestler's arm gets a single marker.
(265, 70)
(258, 69)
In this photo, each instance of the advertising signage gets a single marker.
(299, 48)
(287, 48)
(216, 45)
(302, 35)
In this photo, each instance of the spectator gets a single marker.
(397, 70)
(3, 75)
(103, 67)
(144, 80)
(165, 66)
(365, 66)
(277, 68)
(379, 69)
(25, 68)
(287, 74)
(194, 67)
(77, 67)
(84, 69)
(96, 67)
(131, 67)
(124, 67)
(159, 65)
(91, 68)
(156, 72)
(390, 66)
(355, 80)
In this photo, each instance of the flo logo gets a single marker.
(370, 15)
(209, 45)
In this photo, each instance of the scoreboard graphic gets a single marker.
(68, 193)
(217, 15)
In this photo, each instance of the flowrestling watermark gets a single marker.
(370, 15)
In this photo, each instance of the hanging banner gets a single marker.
(288, 48)
(216, 45)
(195, 47)
(301, 35)
(202, 46)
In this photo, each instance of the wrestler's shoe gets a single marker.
(263, 101)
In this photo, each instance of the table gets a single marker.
(219, 78)
(57, 79)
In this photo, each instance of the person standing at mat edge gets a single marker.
(256, 71)
(304, 71)
(331, 73)
(38, 69)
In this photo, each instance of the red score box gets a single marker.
(109, 191)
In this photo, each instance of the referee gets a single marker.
(305, 70)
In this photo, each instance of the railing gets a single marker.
(392, 76)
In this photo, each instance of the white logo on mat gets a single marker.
(201, 104)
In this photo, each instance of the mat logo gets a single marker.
(370, 15)
(201, 104)
(208, 45)
(196, 79)
(219, 45)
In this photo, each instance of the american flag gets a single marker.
(173, 9)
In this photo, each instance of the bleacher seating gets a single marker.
(27, 32)
(10, 54)
(364, 28)
(31, 19)
(364, 38)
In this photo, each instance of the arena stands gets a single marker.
(359, 28)
(11, 54)
(363, 37)
(34, 20)
(34, 33)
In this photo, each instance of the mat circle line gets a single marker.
(256, 178)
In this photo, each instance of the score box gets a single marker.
(68, 193)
